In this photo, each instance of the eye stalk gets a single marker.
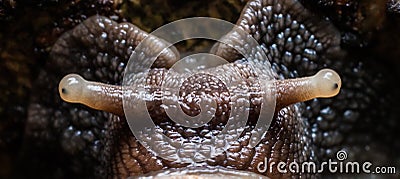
(74, 89)
(326, 83)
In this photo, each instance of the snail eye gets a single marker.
(63, 91)
(71, 88)
(335, 86)
(326, 83)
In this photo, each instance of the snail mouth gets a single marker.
(201, 172)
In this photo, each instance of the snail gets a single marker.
(326, 83)
(296, 43)
(106, 97)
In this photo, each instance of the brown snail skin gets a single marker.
(74, 89)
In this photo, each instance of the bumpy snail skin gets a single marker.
(73, 88)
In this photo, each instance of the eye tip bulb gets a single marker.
(327, 82)
(70, 87)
